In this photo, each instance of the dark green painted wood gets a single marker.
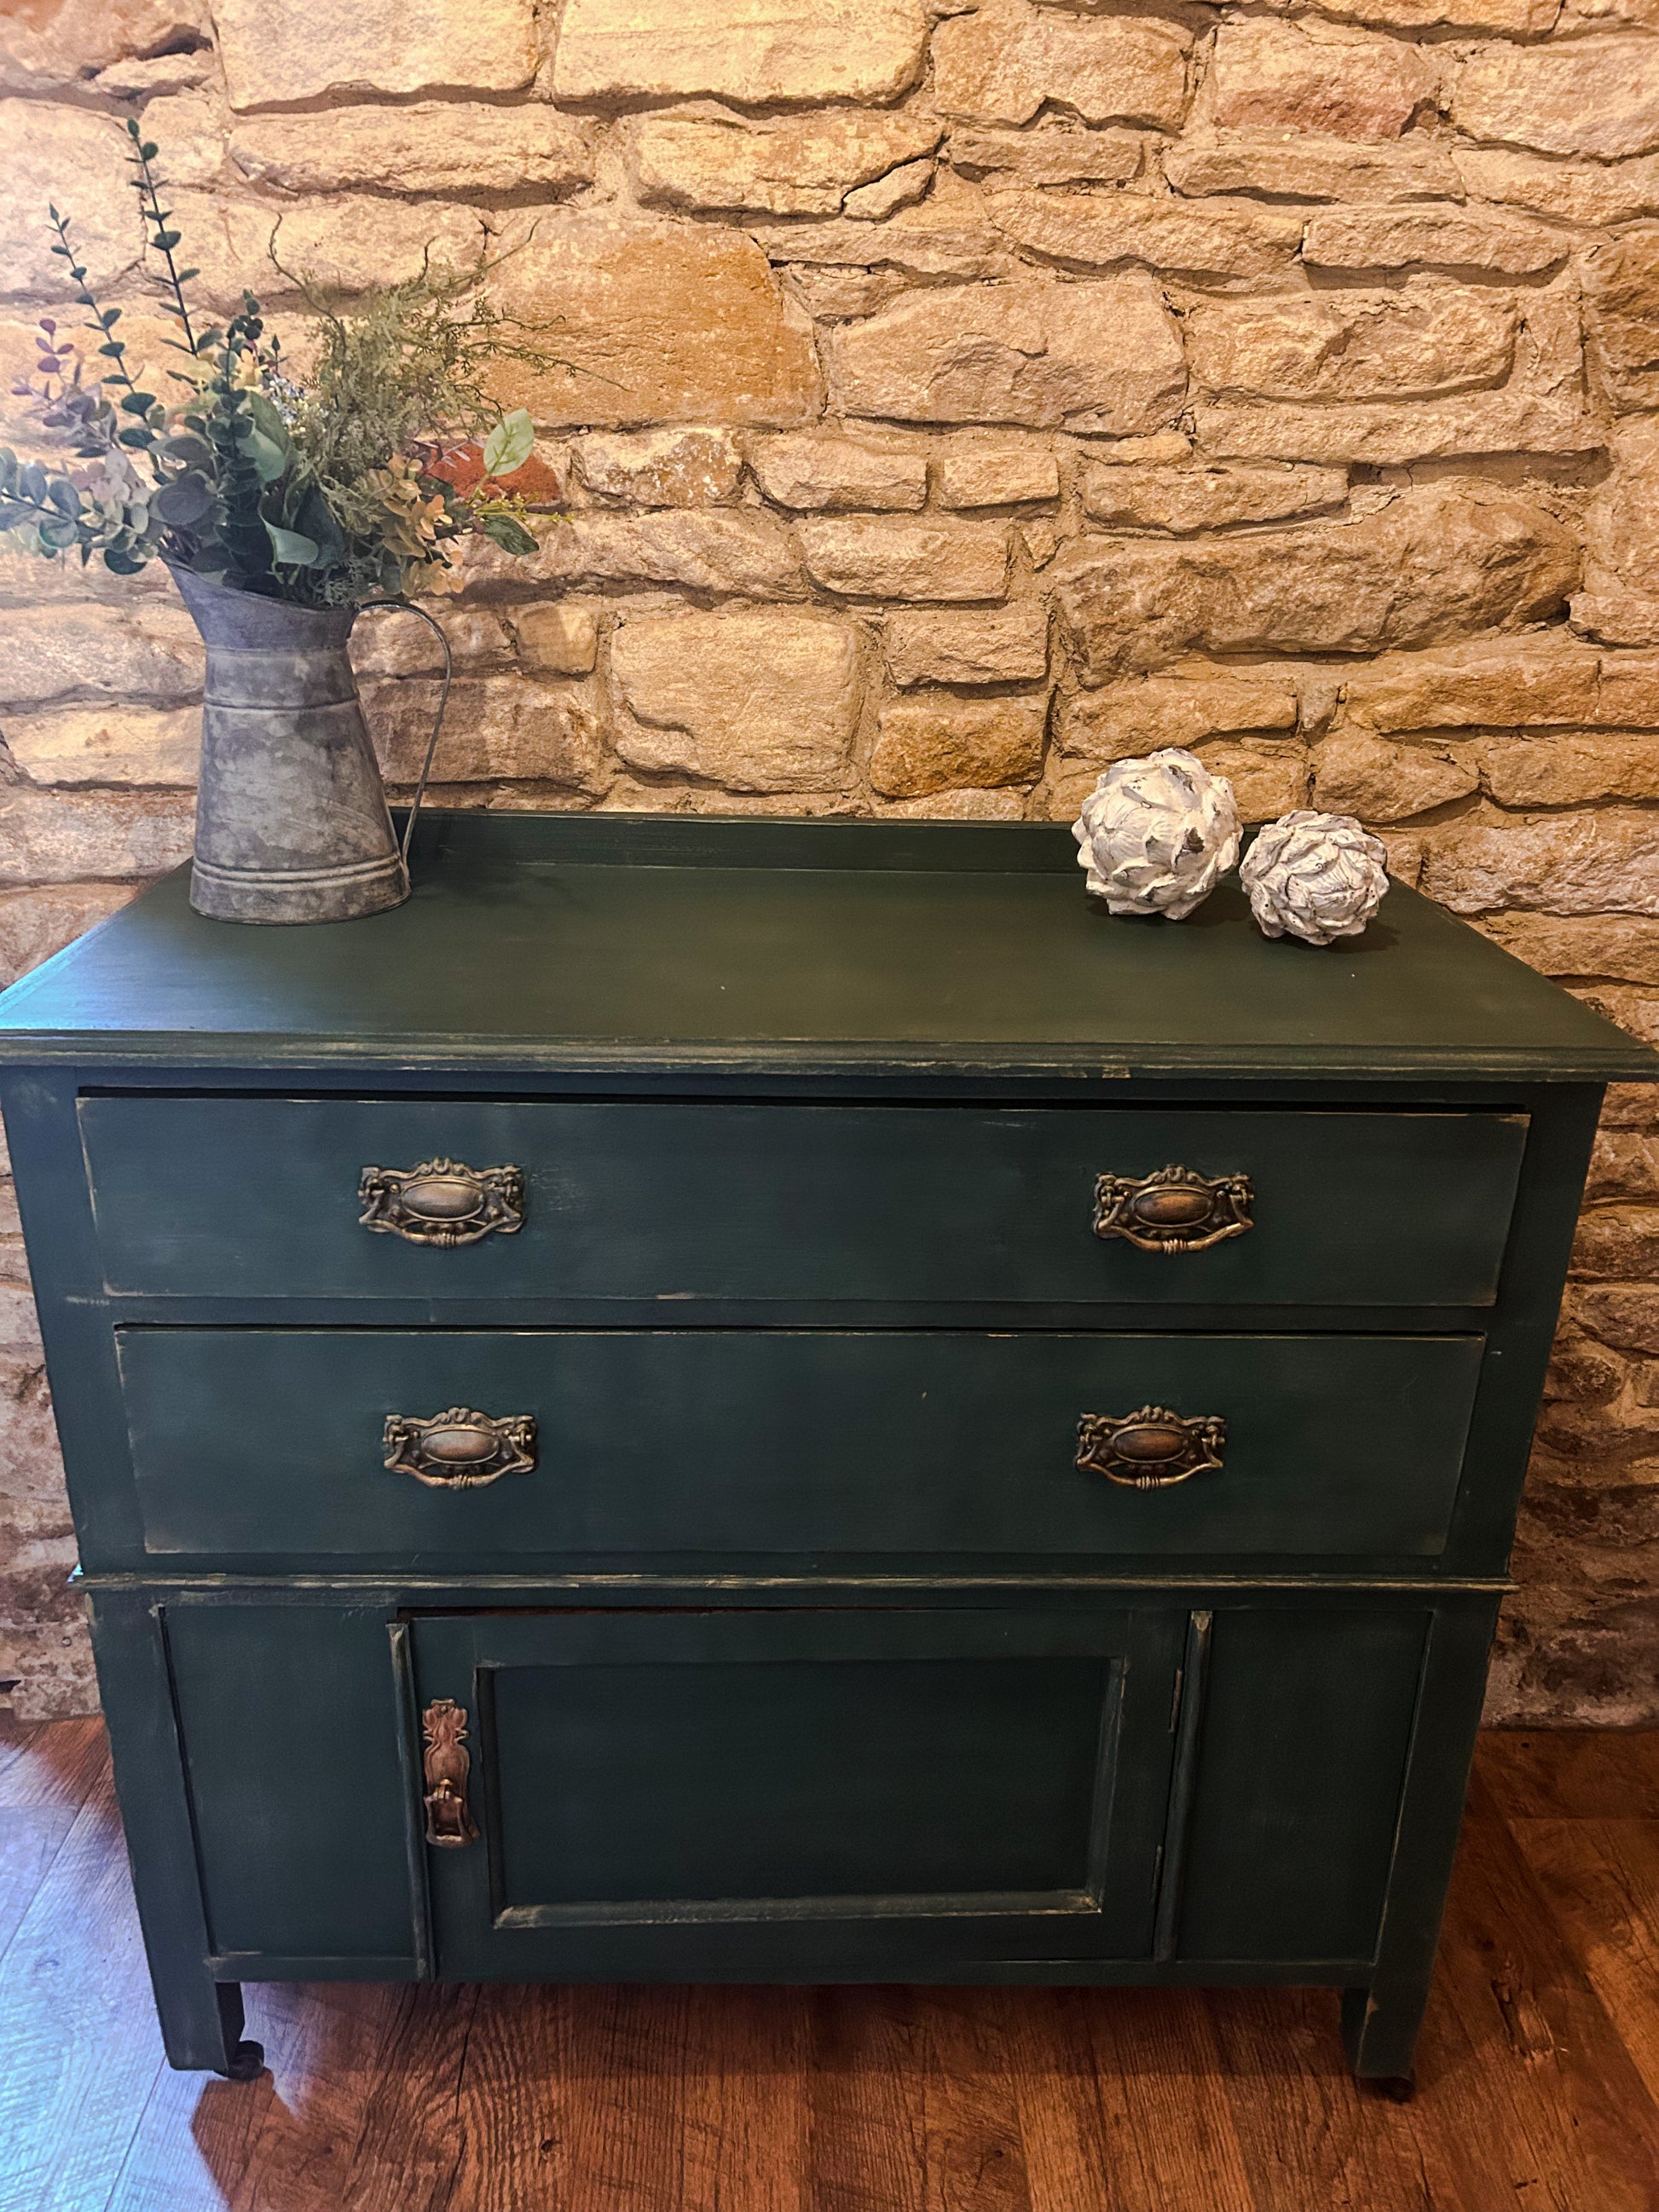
(290, 1728)
(1308, 1718)
(777, 946)
(1381, 2018)
(721, 1443)
(749, 984)
(659, 1790)
(201, 2016)
(258, 1197)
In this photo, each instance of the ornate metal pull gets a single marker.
(1150, 1448)
(1173, 1210)
(441, 1202)
(449, 1824)
(459, 1449)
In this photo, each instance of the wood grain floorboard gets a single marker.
(81, 2048)
(1539, 2062)
(1601, 1877)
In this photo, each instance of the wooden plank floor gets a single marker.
(1539, 2066)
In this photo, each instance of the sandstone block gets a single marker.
(276, 50)
(381, 645)
(1000, 64)
(1438, 562)
(924, 745)
(1205, 499)
(429, 146)
(1388, 433)
(1517, 19)
(814, 474)
(900, 188)
(995, 476)
(1570, 768)
(55, 48)
(1091, 231)
(1625, 1315)
(1594, 96)
(1048, 154)
(1629, 693)
(1618, 947)
(1004, 805)
(1310, 169)
(883, 560)
(1190, 709)
(977, 645)
(558, 638)
(1268, 778)
(701, 550)
(1442, 238)
(1030, 352)
(1596, 863)
(350, 242)
(1621, 599)
(498, 729)
(58, 837)
(946, 235)
(617, 293)
(748, 52)
(1355, 772)
(1491, 683)
(1617, 1242)
(1621, 302)
(662, 468)
(193, 128)
(76, 161)
(763, 701)
(1294, 78)
(802, 165)
(100, 653)
(110, 745)
(1625, 1165)
(1593, 193)
(35, 924)
(1426, 338)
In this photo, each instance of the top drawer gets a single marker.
(260, 1198)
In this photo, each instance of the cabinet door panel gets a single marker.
(720, 1794)
(289, 1719)
(1307, 1718)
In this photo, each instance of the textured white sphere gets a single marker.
(1157, 835)
(1317, 877)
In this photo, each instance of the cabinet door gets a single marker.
(807, 1794)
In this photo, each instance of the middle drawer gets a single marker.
(260, 1443)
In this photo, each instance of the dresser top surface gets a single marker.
(634, 943)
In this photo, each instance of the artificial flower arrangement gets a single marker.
(331, 489)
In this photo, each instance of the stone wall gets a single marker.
(964, 396)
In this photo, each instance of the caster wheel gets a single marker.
(1398, 2089)
(247, 2062)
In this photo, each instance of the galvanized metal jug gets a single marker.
(291, 818)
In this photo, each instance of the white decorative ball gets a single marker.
(1317, 877)
(1157, 835)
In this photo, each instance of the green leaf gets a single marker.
(137, 403)
(512, 537)
(508, 445)
(138, 435)
(123, 562)
(109, 317)
(269, 459)
(185, 502)
(184, 275)
(165, 240)
(149, 150)
(64, 496)
(191, 451)
(293, 550)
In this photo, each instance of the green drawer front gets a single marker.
(259, 1198)
(254, 1443)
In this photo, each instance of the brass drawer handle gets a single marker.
(441, 1202)
(1151, 1448)
(459, 1449)
(449, 1823)
(1173, 1210)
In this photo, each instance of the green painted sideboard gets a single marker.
(767, 1401)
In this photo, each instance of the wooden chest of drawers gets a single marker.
(763, 1400)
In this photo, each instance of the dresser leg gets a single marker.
(1379, 2032)
(202, 2024)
